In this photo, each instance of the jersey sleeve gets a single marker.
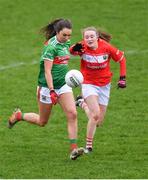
(116, 54)
(49, 54)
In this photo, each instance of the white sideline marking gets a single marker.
(134, 52)
(2, 68)
(17, 65)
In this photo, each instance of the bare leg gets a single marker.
(40, 119)
(95, 113)
(67, 103)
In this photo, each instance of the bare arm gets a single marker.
(48, 66)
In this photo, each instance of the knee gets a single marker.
(72, 115)
(96, 116)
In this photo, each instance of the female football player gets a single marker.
(51, 83)
(96, 52)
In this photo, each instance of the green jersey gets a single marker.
(59, 54)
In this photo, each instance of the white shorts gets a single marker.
(103, 92)
(43, 93)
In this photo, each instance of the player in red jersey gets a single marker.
(96, 52)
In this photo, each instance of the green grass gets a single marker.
(121, 144)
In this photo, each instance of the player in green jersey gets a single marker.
(52, 88)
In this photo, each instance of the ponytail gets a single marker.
(49, 30)
(55, 27)
(105, 36)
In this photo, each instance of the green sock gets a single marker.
(73, 144)
(73, 141)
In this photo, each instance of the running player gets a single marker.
(96, 52)
(51, 83)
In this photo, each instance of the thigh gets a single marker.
(44, 104)
(67, 102)
(92, 103)
(44, 111)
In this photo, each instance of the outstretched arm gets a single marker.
(122, 79)
(123, 67)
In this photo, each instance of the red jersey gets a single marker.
(95, 64)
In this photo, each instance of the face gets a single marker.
(91, 39)
(64, 35)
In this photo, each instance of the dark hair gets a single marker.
(101, 34)
(55, 27)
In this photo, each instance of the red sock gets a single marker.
(18, 116)
(73, 146)
(89, 142)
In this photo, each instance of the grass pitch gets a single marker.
(121, 144)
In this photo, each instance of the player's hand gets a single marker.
(78, 47)
(53, 96)
(122, 82)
